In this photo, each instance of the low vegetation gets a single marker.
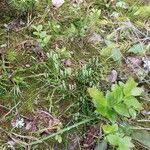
(74, 74)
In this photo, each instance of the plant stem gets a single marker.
(60, 132)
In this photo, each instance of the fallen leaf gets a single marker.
(90, 137)
(31, 125)
(134, 61)
(73, 141)
(15, 25)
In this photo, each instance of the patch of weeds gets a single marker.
(116, 138)
(90, 72)
(120, 101)
(23, 6)
(42, 36)
(112, 51)
(53, 72)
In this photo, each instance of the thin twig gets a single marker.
(10, 111)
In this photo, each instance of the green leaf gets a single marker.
(115, 96)
(110, 128)
(111, 115)
(58, 138)
(133, 113)
(39, 28)
(36, 33)
(110, 43)
(142, 136)
(106, 51)
(125, 143)
(122, 109)
(110, 99)
(99, 99)
(138, 48)
(46, 39)
(116, 54)
(129, 86)
(117, 92)
(137, 91)
(132, 102)
(101, 145)
(42, 34)
(101, 110)
(113, 139)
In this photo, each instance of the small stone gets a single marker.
(57, 3)
(95, 38)
(113, 76)
(146, 64)
(67, 63)
(135, 61)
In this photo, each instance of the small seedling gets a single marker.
(117, 139)
(42, 36)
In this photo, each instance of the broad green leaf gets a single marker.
(137, 91)
(111, 115)
(122, 109)
(42, 34)
(101, 110)
(132, 102)
(36, 33)
(39, 28)
(110, 99)
(110, 43)
(125, 143)
(116, 54)
(121, 84)
(138, 48)
(115, 96)
(129, 86)
(102, 145)
(123, 147)
(117, 93)
(46, 39)
(142, 136)
(133, 113)
(110, 128)
(106, 51)
(98, 97)
(113, 139)
(122, 143)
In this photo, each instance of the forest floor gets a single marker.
(74, 75)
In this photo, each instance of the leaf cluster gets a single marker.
(121, 100)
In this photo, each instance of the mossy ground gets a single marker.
(29, 79)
